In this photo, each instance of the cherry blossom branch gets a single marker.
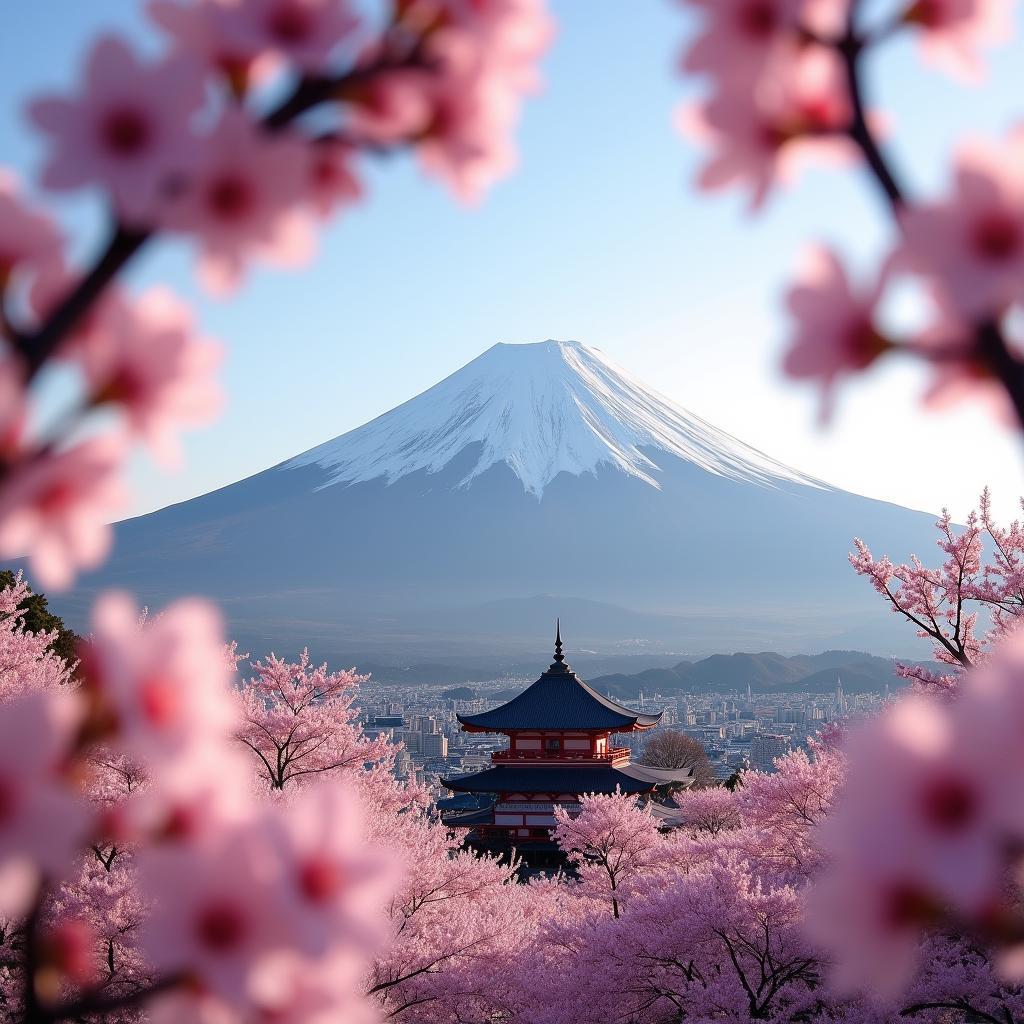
(1004, 365)
(850, 48)
(125, 243)
(989, 339)
(39, 346)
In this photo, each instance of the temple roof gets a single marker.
(480, 816)
(559, 700)
(556, 778)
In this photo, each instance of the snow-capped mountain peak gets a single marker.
(542, 409)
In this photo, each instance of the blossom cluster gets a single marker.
(788, 91)
(241, 907)
(939, 780)
(242, 136)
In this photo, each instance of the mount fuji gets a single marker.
(540, 469)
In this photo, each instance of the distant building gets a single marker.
(413, 740)
(433, 744)
(765, 748)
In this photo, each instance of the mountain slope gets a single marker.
(536, 469)
(543, 409)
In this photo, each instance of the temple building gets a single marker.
(559, 732)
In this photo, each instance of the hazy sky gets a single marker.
(600, 236)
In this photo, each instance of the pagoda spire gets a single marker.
(558, 665)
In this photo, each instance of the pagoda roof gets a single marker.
(554, 778)
(480, 816)
(559, 700)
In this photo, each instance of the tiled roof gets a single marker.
(549, 778)
(560, 700)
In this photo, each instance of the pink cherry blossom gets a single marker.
(43, 821)
(710, 810)
(970, 247)
(127, 130)
(294, 990)
(244, 201)
(164, 682)
(969, 380)
(834, 332)
(56, 509)
(462, 107)
(218, 910)
(610, 841)
(739, 36)
(333, 181)
(27, 664)
(872, 928)
(339, 884)
(797, 115)
(954, 31)
(959, 373)
(27, 238)
(218, 32)
(190, 797)
(300, 722)
(150, 362)
(305, 32)
(924, 820)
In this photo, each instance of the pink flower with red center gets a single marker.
(333, 181)
(127, 130)
(338, 884)
(218, 905)
(462, 107)
(245, 200)
(164, 682)
(834, 332)
(739, 37)
(953, 32)
(150, 362)
(28, 239)
(191, 797)
(871, 927)
(925, 799)
(970, 248)
(43, 821)
(306, 32)
(56, 509)
(798, 115)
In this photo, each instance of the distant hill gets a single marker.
(764, 672)
(459, 693)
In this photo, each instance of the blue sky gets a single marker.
(600, 236)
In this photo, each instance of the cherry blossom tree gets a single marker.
(299, 721)
(981, 572)
(609, 841)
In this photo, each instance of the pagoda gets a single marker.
(560, 747)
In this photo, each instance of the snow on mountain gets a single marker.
(543, 409)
